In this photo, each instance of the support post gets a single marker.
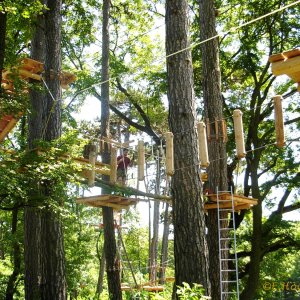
(113, 165)
(141, 161)
(202, 144)
(92, 161)
(279, 125)
(169, 154)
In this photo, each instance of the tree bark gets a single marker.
(213, 109)
(2, 39)
(164, 246)
(154, 241)
(53, 285)
(45, 124)
(32, 216)
(11, 285)
(190, 248)
(252, 284)
(110, 247)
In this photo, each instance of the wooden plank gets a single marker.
(227, 196)
(276, 57)
(104, 197)
(154, 288)
(242, 206)
(292, 53)
(9, 126)
(291, 65)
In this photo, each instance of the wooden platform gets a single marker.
(114, 201)
(7, 123)
(225, 201)
(287, 63)
(32, 69)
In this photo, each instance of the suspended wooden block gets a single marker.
(113, 165)
(287, 63)
(114, 201)
(32, 69)
(141, 161)
(279, 124)
(202, 144)
(239, 133)
(169, 154)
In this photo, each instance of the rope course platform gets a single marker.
(7, 123)
(115, 201)
(27, 69)
(32, 69)
(225, 201)
(287, 63)
(148, 288)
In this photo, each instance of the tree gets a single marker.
(250, 85)
(190, 248)
(45, 275)
(2, 36)
(110, 247)
(213, 110)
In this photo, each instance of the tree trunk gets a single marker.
(32, 217)
(110, 247)
(2, 39)
(164, 246)
(45, 123)
(213, 109)
(53, 285)
(11, 285)
(252, 284)
(190, 248)
(101, 273)
(154, 240)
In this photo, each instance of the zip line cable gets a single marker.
(199, 43)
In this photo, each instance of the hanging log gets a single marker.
(141, 161)
(169, 154)
(239, 133)
(202, 144)
(113, 165)
(92, 161)
(279, 125)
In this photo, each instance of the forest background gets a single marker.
(138, 90)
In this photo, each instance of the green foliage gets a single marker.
(194, 292)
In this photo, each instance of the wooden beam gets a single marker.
(288, 66)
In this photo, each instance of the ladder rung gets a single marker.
(228, 270)
(226, 228)
(224, 249)
(226, 239)
(231, 259)
(228, 281)
(228, 292)
(224, 219)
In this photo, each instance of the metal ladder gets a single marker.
(227, 243)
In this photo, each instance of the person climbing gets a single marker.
(123, 162)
